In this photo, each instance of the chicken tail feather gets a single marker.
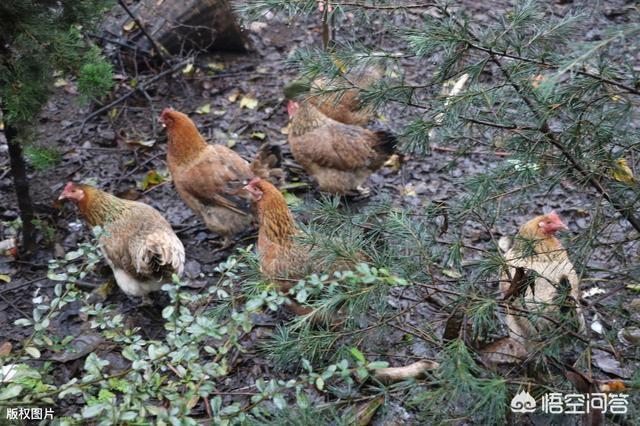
(159, 253)
(387, 142)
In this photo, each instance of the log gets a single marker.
(177, 27)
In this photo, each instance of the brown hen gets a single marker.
(340, 157)
(140, 246)
(209, 178)
(339, 99)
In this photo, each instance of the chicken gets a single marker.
(283, 259)
(538, 260)
(340, 157)
(209, 178)
(339, 100)
(140, 246)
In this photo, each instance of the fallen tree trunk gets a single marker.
(177, 27)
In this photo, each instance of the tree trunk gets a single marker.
(21, 185)
(179, 27)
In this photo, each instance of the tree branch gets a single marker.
(548, 65)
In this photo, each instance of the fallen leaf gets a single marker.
(60, 82)
(113, 113)
(5, 278)
(1, 125)
(148, 143)
(188, 69)
(219, 112)
(338, 63)
(152, 178)
(248, 102)
(129, 26)
(285, 130)
(607, 363)
(451, 273)
(231, 143)
(204, 109)
(393, 162)
(215, 66)
(259, 135)
(634, 287)
(409, 191)
(622, 172)
(630, 336)
(5, 348)
(503, 351)
(367, 410)
(233, 96)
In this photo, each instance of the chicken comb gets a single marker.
(552, 215)
(255, 181)
(69, 186)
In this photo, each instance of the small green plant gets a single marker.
(42, 157)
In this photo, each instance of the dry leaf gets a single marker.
(285, 130)
(188, 69)
(204, 109)
(248, 102)
(393, 162)
(129, 26)
(152, 178)
(367, 410)
(451, 273)
(259, 135)
(233, 96)
(503, 351)
(622, 172)
(5, 278)
(215, 66)
(60, 82)
(148, 143)
(5, 348)
(409, 191)
(113, 113)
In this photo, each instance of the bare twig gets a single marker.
(139, 88)
(144, 31)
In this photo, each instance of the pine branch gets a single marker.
(550, 136)
(552, 66)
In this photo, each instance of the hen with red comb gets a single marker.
(538, 253)
(209, 178)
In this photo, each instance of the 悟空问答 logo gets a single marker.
(522, 402)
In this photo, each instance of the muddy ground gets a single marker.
(107, 149)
